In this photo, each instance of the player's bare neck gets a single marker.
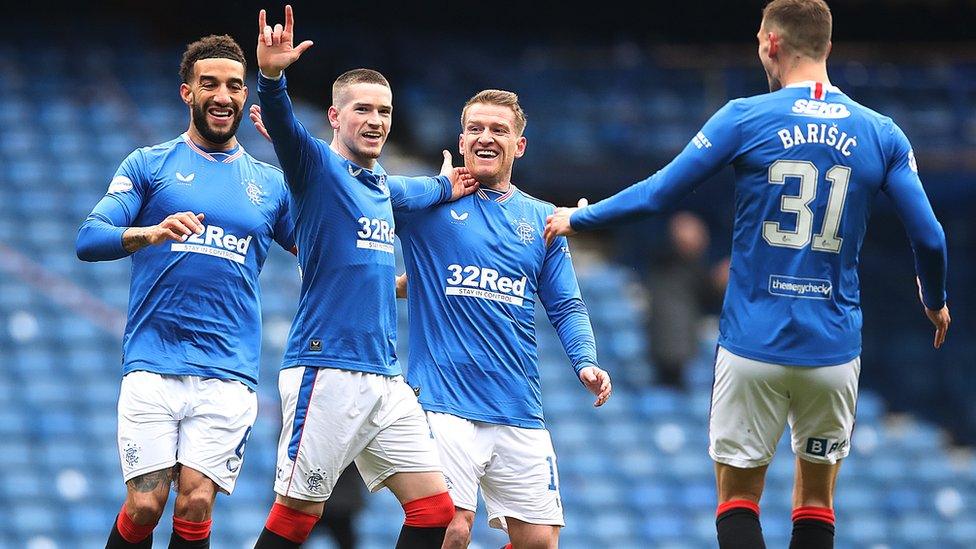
(804, 70)
(363, 162)
(209, 145)
(501, 186)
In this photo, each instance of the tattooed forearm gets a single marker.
(135, 239)
(151, 481)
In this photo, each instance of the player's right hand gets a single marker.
(276, 49)
(940, 319)
(178, 227)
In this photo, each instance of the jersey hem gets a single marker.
(484, 418)
(341, 365)
(208, 373)
(811, 362)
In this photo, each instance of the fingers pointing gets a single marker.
(289, 19)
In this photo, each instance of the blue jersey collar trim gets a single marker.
(212, 156)
(497, 196)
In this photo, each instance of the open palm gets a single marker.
(276, 49)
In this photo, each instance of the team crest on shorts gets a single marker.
(524, 230)
(255, 193)
(131, 453)
(314, 480)
(233, 464)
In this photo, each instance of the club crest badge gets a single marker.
(255, 193)
(525, 231)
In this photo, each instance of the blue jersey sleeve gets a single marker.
(284, 229)
(904, 188)
(100, 235)
(296, 148)
(418, 193)
(560, 295)
(713, 148)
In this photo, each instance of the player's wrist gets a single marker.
(584, 365)
(136, 238)
(271, 73)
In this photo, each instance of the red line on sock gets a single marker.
(291, 524)
(816, 513)
(434, 511)
(132, 532)
(737, 504)
(192, 531)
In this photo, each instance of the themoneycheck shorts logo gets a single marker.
(791, 286)
(484, 283)
(216, 242)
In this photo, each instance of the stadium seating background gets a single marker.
(602, 113)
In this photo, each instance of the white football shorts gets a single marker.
(515, 468)
(753, 401)
(201, 423)
(332, 417)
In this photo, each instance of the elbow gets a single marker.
(85, 252)
(85, 246)
(82, 247)
(932, 241)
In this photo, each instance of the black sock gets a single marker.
(270, 540)
(116, 541)
(812, 534)
(414, 537)
(342, 529)
(177, 541)
(738, 528)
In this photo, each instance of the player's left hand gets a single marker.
(557, 224)
(401, 286)
(597, 381)
(255, 115)
(462, 183)
(940, 319)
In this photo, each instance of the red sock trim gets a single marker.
(816, 513)
(434, 511)
(132, 532)
(507, 546)
(192, 531)
(737, 504)
(291, 524)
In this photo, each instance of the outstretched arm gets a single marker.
(713, 148)
(411, 193)
(295, 147)
(418, 193)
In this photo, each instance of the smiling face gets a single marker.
(490, 142)
(361, 121)
(215, 94)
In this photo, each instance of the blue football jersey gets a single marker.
(808, 162)
(194, 306)
(476, 269)
(344, 229)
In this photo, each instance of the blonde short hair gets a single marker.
(501, 98)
